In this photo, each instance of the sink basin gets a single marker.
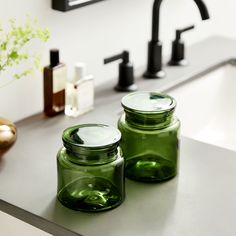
(206, 105)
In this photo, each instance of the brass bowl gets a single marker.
(7, 135)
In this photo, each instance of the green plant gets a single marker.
(14, 46)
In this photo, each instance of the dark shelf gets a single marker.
(67, 5)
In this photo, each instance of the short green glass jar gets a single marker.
(90, 168)
(149, 136)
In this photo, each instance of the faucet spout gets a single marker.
(203, 9)
(154, 67)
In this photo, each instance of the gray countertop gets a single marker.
(199, 201)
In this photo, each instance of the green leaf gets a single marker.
(14, 43)
(14, 55)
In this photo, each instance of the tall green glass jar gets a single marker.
(90, 168)
(150, 132)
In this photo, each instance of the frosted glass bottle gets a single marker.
(79, 92)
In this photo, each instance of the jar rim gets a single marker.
(148, 102)
(91, 136)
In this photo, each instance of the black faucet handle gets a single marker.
(178, 49)
(126, 72)
(124, 56)
(180, 31)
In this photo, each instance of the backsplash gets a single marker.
(91, 33)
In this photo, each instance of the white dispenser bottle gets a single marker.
(79, 92)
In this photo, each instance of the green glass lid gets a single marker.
(148, 102)
(91, 135)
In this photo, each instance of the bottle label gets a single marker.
(59, 79)
(85, 95)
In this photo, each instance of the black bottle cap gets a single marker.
(54, 57)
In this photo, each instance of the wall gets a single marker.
(96, 31)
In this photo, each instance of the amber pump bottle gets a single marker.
(54, 85)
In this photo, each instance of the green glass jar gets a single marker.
(149, 136)
(90, 168)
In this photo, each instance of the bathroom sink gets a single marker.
(206, 105)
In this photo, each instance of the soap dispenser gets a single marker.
(79, 92)
(126, 72)
(177, 55)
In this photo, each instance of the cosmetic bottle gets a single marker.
(54, 85)
(79, 92)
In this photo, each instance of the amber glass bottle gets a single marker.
(54, 85)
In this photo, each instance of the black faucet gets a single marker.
(154, 64)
